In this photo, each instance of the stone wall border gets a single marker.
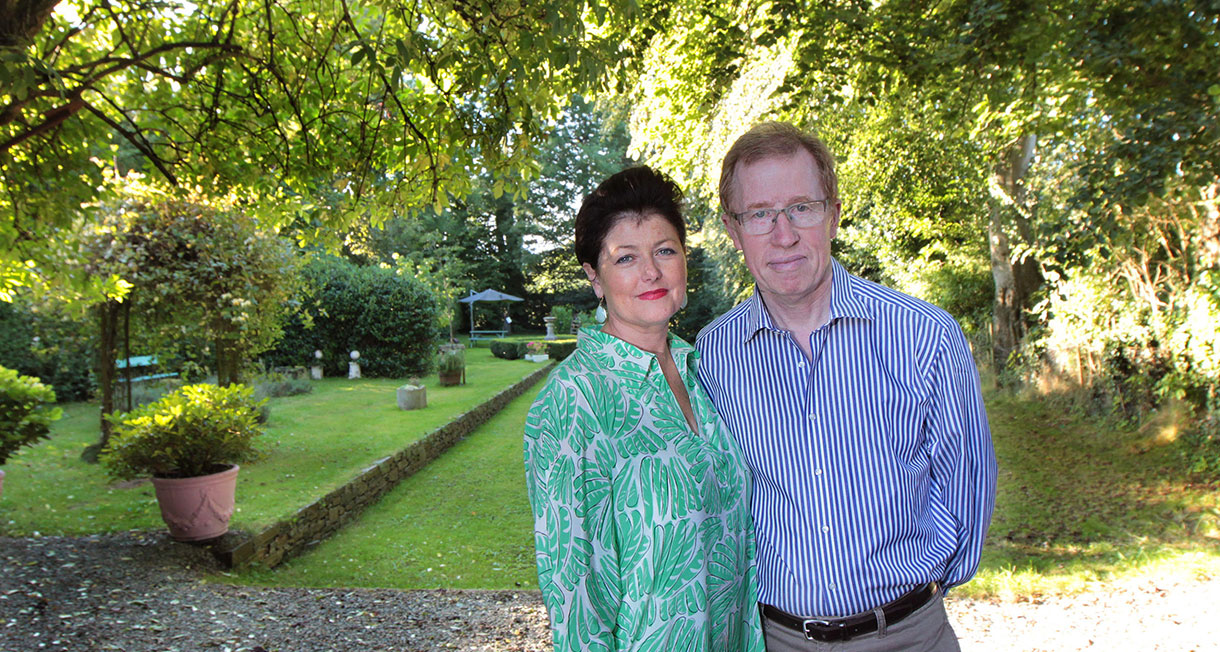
(315, 522)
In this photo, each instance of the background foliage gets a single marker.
(26, 411)
(390, 318)
(35, 341)
(1046, 172)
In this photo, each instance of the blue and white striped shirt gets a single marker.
(873, 465)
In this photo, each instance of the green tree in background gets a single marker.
(950, 101)
(519, 242)
(194, 265)
(588, 143)
(376, 106)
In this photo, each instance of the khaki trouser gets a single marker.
(925, 630)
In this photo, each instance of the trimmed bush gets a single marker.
(560, 350)
(186, 434)
(390, 319)
(26, 411)
(563, 318)
(507, 349)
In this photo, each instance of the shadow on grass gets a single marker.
(1079, 501)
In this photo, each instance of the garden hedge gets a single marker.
(390, 319)
(508, 350)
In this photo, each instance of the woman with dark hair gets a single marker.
(640, 495)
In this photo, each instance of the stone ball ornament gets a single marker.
(355, 355)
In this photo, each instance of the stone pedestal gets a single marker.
(412, 397)
(550, 327)
(353, 370)
(315, 372)
(537, 357)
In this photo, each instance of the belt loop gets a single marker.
(879, 613)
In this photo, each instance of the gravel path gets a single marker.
(140, 591)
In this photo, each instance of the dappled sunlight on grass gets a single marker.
(1078, 504)
(1029, 574)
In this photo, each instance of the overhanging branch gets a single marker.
(136, 141)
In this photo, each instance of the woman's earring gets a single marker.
(685, 298)
(600, 313)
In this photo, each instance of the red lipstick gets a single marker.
(653, 295)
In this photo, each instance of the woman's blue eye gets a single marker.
(624, 259)
(666, 251)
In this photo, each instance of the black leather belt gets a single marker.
(848, 627)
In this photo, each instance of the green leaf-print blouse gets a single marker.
(642, 527)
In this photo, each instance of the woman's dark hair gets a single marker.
(635, 192)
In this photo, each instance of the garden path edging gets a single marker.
(318, 520)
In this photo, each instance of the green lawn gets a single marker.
(315, 442)
(1080, 502)
(462, 522)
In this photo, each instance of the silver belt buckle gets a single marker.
(818, 622)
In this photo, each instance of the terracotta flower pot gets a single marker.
(199, 508)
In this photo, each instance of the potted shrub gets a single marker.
(536, 352)
(451, 365)
(190, 442)
(26, 412)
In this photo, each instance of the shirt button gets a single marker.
(817, 471)
(825, 528)
(831, 586)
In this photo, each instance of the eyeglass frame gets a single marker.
(827, 203)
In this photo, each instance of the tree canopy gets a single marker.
(945, 115)
(310, 104)
(1049, 172)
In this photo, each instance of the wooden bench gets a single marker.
(140, 364)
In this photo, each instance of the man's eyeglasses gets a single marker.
(802, 215)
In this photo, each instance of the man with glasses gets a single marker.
(859, 412)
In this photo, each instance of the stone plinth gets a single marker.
(412, 397)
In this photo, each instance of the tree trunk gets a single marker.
(1015, 279)
(127, 354)
(21, 20)
(228, 362)
(108, 325)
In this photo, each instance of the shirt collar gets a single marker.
(629, 362)
(845, 303)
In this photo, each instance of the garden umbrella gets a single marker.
(485, 295)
